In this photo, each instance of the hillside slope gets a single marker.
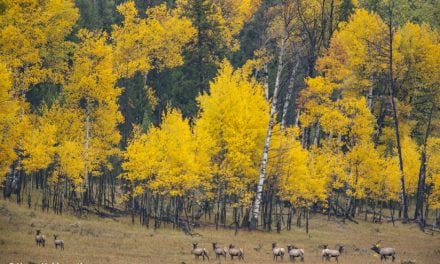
(104, 240)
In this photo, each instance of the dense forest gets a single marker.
(238, 113)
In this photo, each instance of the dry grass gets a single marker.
(98, 240)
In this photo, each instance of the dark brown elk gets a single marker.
(219, 251)
(384, 252)
(235, 252)
(199, 252)
(40, 239)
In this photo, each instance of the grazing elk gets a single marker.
(235, 252)
(40, 239)
(58, 242)
(295, 252)
(199, 252)
(277, 252)
(218, 251)
(384, 252)
(331, 253)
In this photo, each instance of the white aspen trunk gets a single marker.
(273, 109)
(297, 118)
(370, 99)
(289, 92)
(317, 131)
(266, 82)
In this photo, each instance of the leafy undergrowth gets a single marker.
(105, 240)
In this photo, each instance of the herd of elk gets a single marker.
(294, 252)
(40, 240)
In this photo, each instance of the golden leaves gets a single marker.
(167, 158)
(33, 46)
(234, 119)
(155, 42)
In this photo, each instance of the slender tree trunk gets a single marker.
(330, 26)
(297, 118)
(273, 109)
(266, 82)
(317, 133)
(290, 92)
(307, 219)
(370, 99)
(404, 199)
(86, 150)
(420, 197)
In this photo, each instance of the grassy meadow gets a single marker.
(105, 240)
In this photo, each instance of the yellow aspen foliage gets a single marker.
(371, 175)
(329, 164)
(347, 116)
(236, 14)
(155, 42)
(316, 99)
(419, 49)
(433, 171)
(356, 51)
(296, 170)
(411, 159)
(69, 141)
(32, 39)
(167, 158)
(410, 154)
(9, 116)
(91, 87)
(233, 119)
(39, 145)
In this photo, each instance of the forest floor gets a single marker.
(94, 239)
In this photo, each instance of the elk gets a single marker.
(277, 252)
(40, 239)
(58, 242)
(331, 253)
(199, 252)
(218, 251)
(384, 252)
(295, 252)
(235, 252)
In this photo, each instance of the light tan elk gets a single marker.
(40, 239)
(58, 242)
(199, 252)
(219, 251)
(295, 252)
(235, 252)
(384, 252)
(327, 254)
(277, 252)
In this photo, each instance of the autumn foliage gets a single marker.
(342, 143)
